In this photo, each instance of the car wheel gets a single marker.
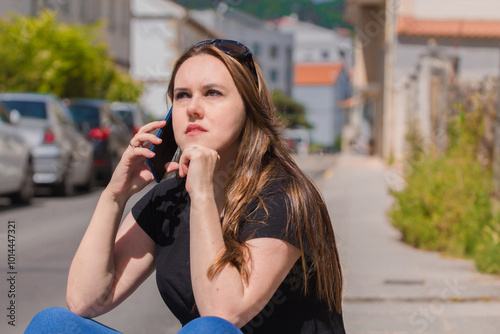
(27, 191)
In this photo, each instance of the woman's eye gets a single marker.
(213, 92)
(181, 95)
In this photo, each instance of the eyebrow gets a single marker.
(206, 86)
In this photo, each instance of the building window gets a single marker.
(65, 7)
(274, 76)
(83, 14)
(89, 11)
(289, 76)
(273, 51)
(256, 49)
(96, 12)
(325, 54)
(34, 7)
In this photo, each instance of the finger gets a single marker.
(171, 167)
(183, 165)
(141, 138)
(152, 126)
(147, 175)
(141, 151)
(183, 169)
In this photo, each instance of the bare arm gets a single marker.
(111, 262)
(104, 272)
(227, 295)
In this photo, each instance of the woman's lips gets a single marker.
(194, 129)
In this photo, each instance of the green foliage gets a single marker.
(327, 13)
(337, 144)
(290, 111)
(124, 88)
(318, 148)
(446, 204)
(38, 54)
(487, 255)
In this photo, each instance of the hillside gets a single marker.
(323, 13)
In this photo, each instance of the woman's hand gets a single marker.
(198, 165)
(131, 175)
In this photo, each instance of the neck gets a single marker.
(222, 176)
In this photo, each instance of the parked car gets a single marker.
(16, 163)
(131, 114)
(62, 156)
(107, 132)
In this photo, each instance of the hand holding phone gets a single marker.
(165, 151)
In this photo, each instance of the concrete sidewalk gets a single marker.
(391, 287)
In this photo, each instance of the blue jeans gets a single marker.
(209, 325)
(59, 320)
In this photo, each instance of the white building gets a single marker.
(403, 51)
(160, 32)
(313, 43)
(435, 44)
(322, 59)
(320, 87)
(271, 48)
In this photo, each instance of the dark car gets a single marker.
(16, 163)
(108, 133)
(132, 114)
(62, 156)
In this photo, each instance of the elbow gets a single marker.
(88, 301)
(80, 306)
(77, 307)
(239, 319)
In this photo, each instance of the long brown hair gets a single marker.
(261, 157)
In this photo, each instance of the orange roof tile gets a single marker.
(409, 26)
(317, 74)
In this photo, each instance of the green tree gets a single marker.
(290, 111)
(39, 54)
(325, 13)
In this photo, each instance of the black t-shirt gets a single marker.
(163, 213)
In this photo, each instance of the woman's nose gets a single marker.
(195, 109)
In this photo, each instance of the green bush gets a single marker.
(446, 205)
(39, 54)
(487, 255)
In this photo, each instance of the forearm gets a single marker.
(222, 294)
(92, 273)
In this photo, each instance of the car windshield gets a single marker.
(85, 115)
(127, 117)
(28, 108)
(3, 113)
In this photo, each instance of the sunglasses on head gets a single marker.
(234, 49)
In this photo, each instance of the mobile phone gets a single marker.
(165, 151)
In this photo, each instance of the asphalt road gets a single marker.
(47, 234)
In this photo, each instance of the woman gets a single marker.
(240, 238)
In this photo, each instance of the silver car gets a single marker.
(16, 165)
(62, 155)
